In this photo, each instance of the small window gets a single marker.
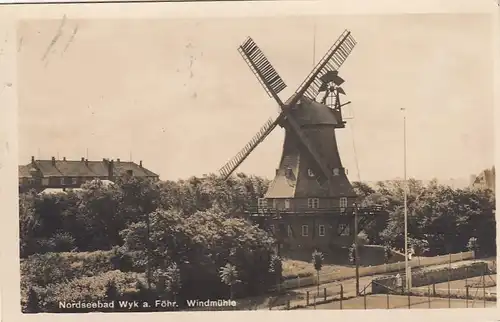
(313, 203)
(62, 181)
(343, 230)
(45, 181)
(289, 231)
(74, 180)
(321, 230)
(305, 230)
(343, 202)
(274, 203)
(310, 173)
(336, 171)
(287, 203)
(271, 227)
(31, 181)
(262, 203)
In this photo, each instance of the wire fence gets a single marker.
(471, 292)
(417, 262)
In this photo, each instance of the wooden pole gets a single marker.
(324, 294)
(484, 291)
(341, 295)
(429, 295)
(307, 298)
(387, 299)
(364, 299)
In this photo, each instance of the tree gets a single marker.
(472, 246)
(419, 246)
(317, 259)
(276, 268)
(32, 303)
(229, 276)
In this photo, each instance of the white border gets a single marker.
(9, 14)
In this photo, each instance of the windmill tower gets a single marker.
(310, 195)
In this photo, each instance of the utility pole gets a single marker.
(407, 270)
(356, 257)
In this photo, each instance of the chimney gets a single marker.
(110, 170)
(86, 161)
(277, 171)
(53, 161)
(83, 159)
(118, 160)
(64, 158)
(140, 163)
(32, 159)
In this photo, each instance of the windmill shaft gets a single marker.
(264, 131)
(332, 61)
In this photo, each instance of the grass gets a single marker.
(379, 301)
(296, 268)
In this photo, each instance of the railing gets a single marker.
(347, 210)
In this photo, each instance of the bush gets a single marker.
(293, 269)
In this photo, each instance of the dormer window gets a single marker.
(313, 203)
(289, 172)
(310, 173)
(336, 171)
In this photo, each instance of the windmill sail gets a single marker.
(333, 59)
(268, 77)
(232, 164)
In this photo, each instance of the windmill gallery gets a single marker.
(310, 203)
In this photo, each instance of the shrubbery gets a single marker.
(95, 243)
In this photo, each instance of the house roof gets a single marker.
(83, 168)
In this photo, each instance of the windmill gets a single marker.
(310, 188)
(301, 116)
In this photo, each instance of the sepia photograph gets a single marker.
(291, 162)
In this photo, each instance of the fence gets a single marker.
(471, 292)
(373, 270)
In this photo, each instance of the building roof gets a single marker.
(83, 168)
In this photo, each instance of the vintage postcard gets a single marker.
(281, 161)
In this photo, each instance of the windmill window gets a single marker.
(289, 231)
(262, 203)
(305, 230)
(343, 230)
(321, 230)
(287, 203)
(313, 203)
(310, 173)
(336, 171)
(343, 202)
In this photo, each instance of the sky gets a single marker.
(176, 94)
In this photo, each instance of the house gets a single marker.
(485, 179)
(62, 174)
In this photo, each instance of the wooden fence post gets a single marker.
(466, 295)
(484, 291)
(433, 289)
(341, 295)
(307, 298)
(364, 299)
(315, 302)
(429, 295)
(288, 304)
(387, 299)
(324, 294)
(409, 299)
